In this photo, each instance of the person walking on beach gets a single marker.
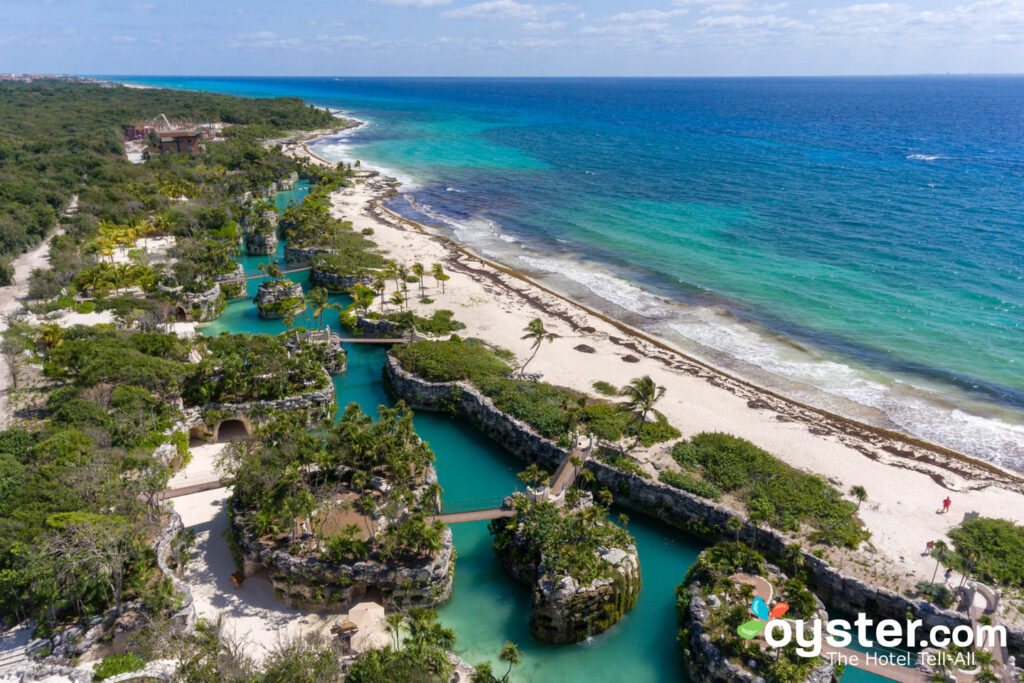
(928, 548)
(948, 575)
(945, 505)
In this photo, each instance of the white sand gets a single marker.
(251, 613)
(201, 468)
(905, 482)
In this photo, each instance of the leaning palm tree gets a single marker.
(860, 493)
(418, 270)
(316, 299)
(511, 655)
(537, 334)
(397, 299)
(437, 270)
(401, 276)
(641, 394)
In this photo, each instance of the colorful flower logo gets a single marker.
(752, 628)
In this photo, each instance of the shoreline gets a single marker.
(665, 345)
(906, 477)
(850, 426)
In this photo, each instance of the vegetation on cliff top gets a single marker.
(554, 412)
(286, 475)
(990, 549)
(79, 484)
(713, 569)
(566, 541)
(772, 492)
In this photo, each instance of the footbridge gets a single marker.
(563, 478)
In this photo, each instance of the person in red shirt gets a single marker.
(945, 504)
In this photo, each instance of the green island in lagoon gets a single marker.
(261, 424)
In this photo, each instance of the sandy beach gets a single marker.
(906, 479)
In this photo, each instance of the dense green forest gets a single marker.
(61, 138)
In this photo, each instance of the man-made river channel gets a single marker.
(487, 607)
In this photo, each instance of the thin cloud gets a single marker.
(649, 14)
(412, 3)
(504, 9)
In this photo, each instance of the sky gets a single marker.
(510, 37)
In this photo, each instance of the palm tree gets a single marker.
(939, 550)
(534, 475)
(317, 300)
(378, 286)
(393, 623)
(537, 334)
(401, 276)
(735, 524)
(641, 393)
(511, 655)
(418, 270)
(439, 275)
(50, 336)
(272, 270)
(860, 493)
(397, 299)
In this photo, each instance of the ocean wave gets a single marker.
(341, 148)
(925, 157)
(713, 334)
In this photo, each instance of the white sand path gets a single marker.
(251, 613)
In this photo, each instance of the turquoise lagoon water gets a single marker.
(487, 607)
(855, 243)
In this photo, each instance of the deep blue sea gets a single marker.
(855, 243)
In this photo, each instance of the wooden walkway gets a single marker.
(261, 276)
(474, 516)
(198, 487)
(374, 340)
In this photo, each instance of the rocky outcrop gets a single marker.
(303, 254)
(693, 514)
(377, 328)
(288, 183)
(198, 306)
(338, 283)
(72, 642)
(276, 299)
(232, 284)
(307, 581)
(261, 244)
(204, 421)
(705, 661)
(328, 346)
(563, 610)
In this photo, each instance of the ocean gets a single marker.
(856, 244)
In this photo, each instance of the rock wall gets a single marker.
(261, 244)
(563, 611)
(308, 582)
(198, 306)
(302, 254)
(338, 283)
(272, 293)
(72, 642)
(317, 404)
(699, 516)
(378, 329)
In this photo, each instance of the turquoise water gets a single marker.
(487, 608)
(854, 243)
